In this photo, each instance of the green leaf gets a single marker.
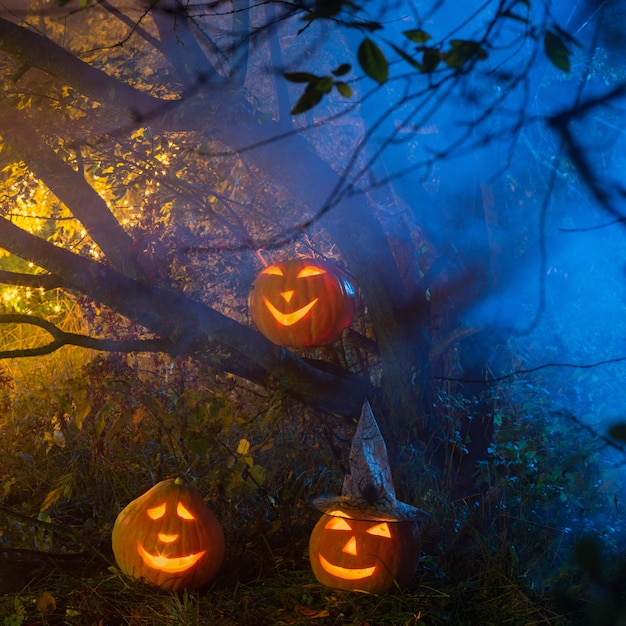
(324, 84)
(566, 36)
(407, 57)
(373, 61)
(342, 70)
(462, 51)
(344, 89)
(618, 431)
(300, 77)
(556, 51)
(243, 447)
(308, 99)
(430, 60)
(416, 35)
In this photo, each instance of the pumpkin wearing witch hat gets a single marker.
(367, 540)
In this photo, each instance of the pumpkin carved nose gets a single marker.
(287, 295)
(350, 547)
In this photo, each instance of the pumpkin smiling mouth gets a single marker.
(171, 565)
(347, 573)
(289, 319)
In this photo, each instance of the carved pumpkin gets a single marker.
(302, 302)
(364, 555)
(169, 537)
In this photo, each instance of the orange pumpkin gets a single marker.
(364, 555)
(302, 302)
(169, 537)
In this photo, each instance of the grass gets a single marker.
(266, 580)
(283, 592)
(77, 449)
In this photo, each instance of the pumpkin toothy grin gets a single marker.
(171, 565)
(289, 319)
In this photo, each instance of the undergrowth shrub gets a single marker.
(77, 451)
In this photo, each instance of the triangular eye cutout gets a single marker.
(380, 530)
(337, 523)
(310, 270)
(273, 270)
(156, 512)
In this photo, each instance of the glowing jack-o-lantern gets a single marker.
(365, 555)
(302, 302)
(367, 539)
(169, 537)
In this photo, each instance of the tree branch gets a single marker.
(241, 49)
(180, 47)
(579, 154)
(61, 338)
(37, 51)
(36, 281)
(136, 106)
(71, 188)
(132, 25)
(189, 326)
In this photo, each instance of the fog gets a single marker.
(555, 231)
(519, 166)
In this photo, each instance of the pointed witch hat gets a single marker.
(368, 492)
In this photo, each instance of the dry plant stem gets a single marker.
(55, 528)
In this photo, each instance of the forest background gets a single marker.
(463, 164)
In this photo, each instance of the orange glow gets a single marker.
(347, 573)
(310, 270)
(184, 513)
(171, 565)
(156, 512)
(380, 530)
(350, 547)
(337, 523)
(289, 319)
(273, 271)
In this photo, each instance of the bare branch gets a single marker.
(61, 338)
(36, 281)
(180, 47)
(71, 188)
(132, 25)
(241, 24)
(579, 154)
(188, 326)
(37, 51)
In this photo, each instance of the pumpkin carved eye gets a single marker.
(156, 512)
(310, 270)
(380, 530)
(184, 513)
(273, 270)
(338, 523)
